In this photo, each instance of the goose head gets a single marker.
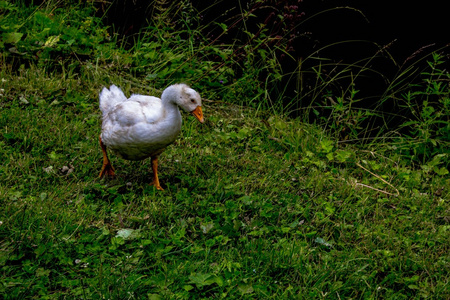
(186, 98)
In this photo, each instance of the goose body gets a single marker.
(142, 126)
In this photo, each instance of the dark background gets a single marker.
(410, 25)
(408, 30)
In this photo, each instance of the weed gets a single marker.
(428, 103)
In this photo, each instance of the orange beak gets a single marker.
(198, 114)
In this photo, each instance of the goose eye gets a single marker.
(193, 100)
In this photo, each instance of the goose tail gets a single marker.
(110, 98)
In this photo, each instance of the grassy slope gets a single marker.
(252, 208)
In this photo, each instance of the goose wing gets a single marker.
(150, 107)
(136, 113)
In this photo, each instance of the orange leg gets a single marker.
(155, 173)
(107, 168)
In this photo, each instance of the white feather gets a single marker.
(110, 98)
(142, 126)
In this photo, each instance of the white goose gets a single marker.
(143, 126)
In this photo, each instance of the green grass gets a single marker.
(256, 205)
